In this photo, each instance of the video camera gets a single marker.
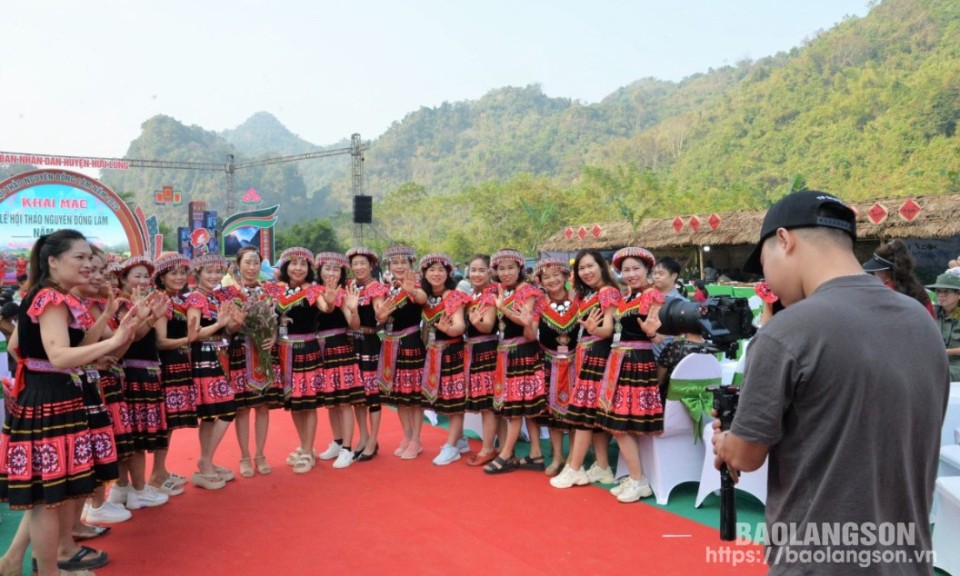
(721, 320)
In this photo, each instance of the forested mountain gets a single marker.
(866, 109)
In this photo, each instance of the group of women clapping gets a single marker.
(112, 361)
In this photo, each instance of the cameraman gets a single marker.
(845, 390)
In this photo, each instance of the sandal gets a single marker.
(304, 464)
(554, 468)
(97, 532)
(85, 558)
(294, 456)
(501, 466)
(481, 459)
(246, 468)
(528, 463)
(178, 479)
(207, 481)
(262, 466)
(225, 474)
(170, 487)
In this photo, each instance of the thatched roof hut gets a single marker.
(736, 232)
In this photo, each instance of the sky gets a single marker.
(79, 78)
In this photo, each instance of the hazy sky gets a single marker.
(79, 78)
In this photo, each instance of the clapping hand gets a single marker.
(444, 323)
(353, 298)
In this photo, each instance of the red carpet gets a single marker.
(389, 516)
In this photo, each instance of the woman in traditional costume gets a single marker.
(400, 371)
(370, 294)
(212, 316)
(630, 394)
(341, 387)
(480, 355)
(599, 298)
(519, 390)
(444, 382)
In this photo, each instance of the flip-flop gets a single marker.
(97, 532)
(501, 466)
(86, 558)
(483, 460)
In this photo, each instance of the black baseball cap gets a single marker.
(876, 264)
(802, 210)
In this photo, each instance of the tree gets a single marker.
(315, 235)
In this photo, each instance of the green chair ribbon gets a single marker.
(695, 398)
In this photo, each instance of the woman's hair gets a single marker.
(483, 257)
(605, 275)
(46, 246)
(241, 252)
(699, 285)
(284, 277)
(904, 281)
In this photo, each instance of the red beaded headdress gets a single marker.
(169, 261)
(207, 259)
(294, 252)
(507, 255)
(551, 263)
(336, 257)
(403, 251)
(435, 257)
(633, 252)
(133, 262)
(361, 251)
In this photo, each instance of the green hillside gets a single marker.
(866, 109)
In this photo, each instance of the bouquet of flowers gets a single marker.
(260, 325)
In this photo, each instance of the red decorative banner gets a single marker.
(568, 233)
(596, 231)
(199, 237)
(694, 223)
(877, 213)
(909, 210)
(678, 223)
(582, 232)
(714, 221)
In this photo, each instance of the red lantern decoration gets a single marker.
(909, 210)
(678, 223)
(582, 232)
(596, 230)
(569, 233)
(877, 213)
(694, 223)
(714, 221)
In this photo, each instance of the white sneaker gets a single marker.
(344, 458)
(463, 445)
(332, 451)
(107, 513)
(616, 490)
(447, 455)
(570, 477)
(145, 498)
(600, 475)
(634, 490)
(118, 494)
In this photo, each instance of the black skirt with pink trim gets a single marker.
(211, 368)
(145, 401)
(180, 391)
(480, 363)
(46, 448)
(444, 384)
(367, 345)
(102, 443)
(340, 382)
(629, 398)
(111, 386)
(584, 400)
(245, 394)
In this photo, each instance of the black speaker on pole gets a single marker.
(362, 209)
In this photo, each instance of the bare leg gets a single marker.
(455, 428)
(360, 414)
(242, 422)
(261, 428)
(510, 441)
(372, 440)
(309, 430)
(536, 451)
(579, 445)
(334, 416)
(490, 423)
(601, 448)
(160, 473)
(44, 535)
(211, 433)
(631, 454)
(346, 425)
(556, 444)
(12, 560)
(416, 421)
(138, 470)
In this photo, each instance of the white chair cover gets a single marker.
(754, 483)
(947, 533)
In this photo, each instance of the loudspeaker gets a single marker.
(362, 209)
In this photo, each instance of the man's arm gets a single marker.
(736, 452)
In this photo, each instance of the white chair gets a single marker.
(754, 483)
(673, 458)
(947, 533)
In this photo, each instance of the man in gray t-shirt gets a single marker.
(845, 391)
